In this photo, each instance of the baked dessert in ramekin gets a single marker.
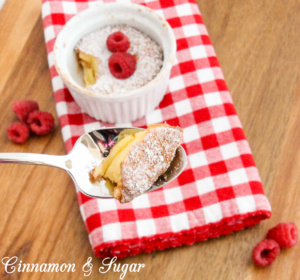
(134, 103)
(103, 55)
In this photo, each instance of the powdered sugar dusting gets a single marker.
(148, 53)
(148, 160)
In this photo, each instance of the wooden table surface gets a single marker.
(258, 45)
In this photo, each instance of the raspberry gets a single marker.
(122, 65)
(40, 123)
(22, 108)
(117, 42)
(265, 252)
(18, 132)
(285, 234)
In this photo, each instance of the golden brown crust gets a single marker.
(117, 193)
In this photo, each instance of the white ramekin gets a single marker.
(135, 103)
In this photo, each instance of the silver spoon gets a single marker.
(89, 150)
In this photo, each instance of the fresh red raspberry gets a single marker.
(122, 65)
(265, 252)
(40, 123)
(117, 42)
(18, 132)
(22, 108)
(285, 234)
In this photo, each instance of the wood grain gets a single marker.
(257, 43)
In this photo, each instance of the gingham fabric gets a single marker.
(220, 190)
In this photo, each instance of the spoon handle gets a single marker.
(40, 159)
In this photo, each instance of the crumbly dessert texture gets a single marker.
(148, 53)
(147, 160)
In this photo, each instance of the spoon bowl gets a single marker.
(88, 152)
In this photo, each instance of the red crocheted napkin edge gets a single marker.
(132, 247)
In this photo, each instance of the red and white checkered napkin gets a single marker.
(220, 190)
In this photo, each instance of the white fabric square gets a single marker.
(141, 202)
(111, 232)
(183, 107)
(176, 83)
(198, 159)
(213, 213)
(246, 204)
(184, 10)
(238, 176)
(198, 52)
(191, 133)
(179, 222)
(229, 150)
(50, 58)
(61, 107)
(205, 75)
(46, 10)
(191, 30)
(213, 99)
(221, 124)
(205, 185)
(66, 132)
(69, 7)
(154, 117)
(106, 205)
(145, 227)
(91, 126)
(173, 195)
(49, 33)
(57, 83)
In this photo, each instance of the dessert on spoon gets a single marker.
(137, 160)
(149, 159)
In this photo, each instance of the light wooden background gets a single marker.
(258, 45)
